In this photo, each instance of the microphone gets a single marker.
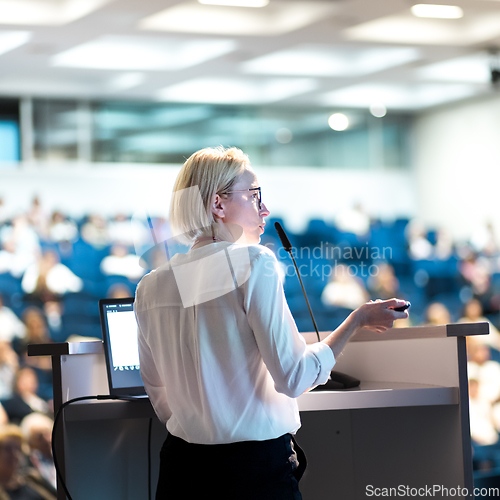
(288, 247)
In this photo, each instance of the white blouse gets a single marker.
(221, 356)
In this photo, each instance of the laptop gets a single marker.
(121, 348)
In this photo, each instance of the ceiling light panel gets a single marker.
(473, 69)
(437, 11)
(236, 3)
(10, 40)
(405, 28)
(46, 12)
(397, 96)
(236, 90)
(322, 60)
(275, 19)
(140, 53)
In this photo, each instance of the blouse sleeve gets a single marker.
(294, 366)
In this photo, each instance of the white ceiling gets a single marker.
(316, 53)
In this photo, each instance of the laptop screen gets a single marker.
(121, 349)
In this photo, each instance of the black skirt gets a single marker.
(249, 470)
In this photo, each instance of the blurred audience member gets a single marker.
(484, 239)
(126, 231)
(48, 279)
(95, 231)
(384, 284)
(37, 431)
(53, 312)
(16, 483)
(119, 291)
(62, 229)
(487, 372)
(4, 215)
(4, 418)
(25, 399)
(20, 246)
(9, 364)
(122, 263)
(419, 247)
(477, 273)
(473, 313)
(10, 325)
(344, 289)
(354, 220)
(482, 425)
(443, 249)
(38, 219)
(37, 332)
(437, 314)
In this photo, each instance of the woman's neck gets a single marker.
(205, 240)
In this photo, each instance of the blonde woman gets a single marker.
(221, 358)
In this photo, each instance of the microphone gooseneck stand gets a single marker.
(288, 247)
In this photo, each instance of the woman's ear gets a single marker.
(218, 207)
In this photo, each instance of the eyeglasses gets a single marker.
(258, 193)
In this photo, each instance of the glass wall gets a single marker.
(138, 132)
(272, 136)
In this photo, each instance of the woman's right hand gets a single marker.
(379, 315)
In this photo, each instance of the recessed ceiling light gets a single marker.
(327, 60)
(127, 81)
(46, 12)
(338, 122)
(236, 3)
(397, 96)
(437, 11)
(236, 90)
(141, 53)
(276, 19)
(474, 68)
(10, 40)
(408, 29)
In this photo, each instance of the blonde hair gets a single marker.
(204, 174)
(10, 430)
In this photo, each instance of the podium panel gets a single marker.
(405, 427)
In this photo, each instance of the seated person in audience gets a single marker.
(473, 313)
(9, 364)
(38, 218)
(48, 279)
(128, 232)
(37, 431)
(476, 271)
(16, 483)
(482, 426)
(443, 249)
(437, 314)
(353, 220)
(344, 289)
(21, 243)
(95, 231)
(25, 399)
(119, 291)
(122, 263)
(4, 418)
(37, 332)
(485, 371)
(53, 311)
(383, 284)
(10, 325)
(419, 247)
(62, 229)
